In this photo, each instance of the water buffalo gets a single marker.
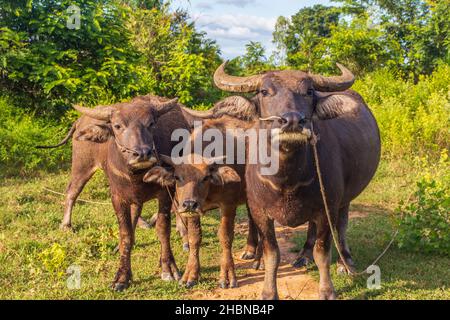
(202, 186)
(349, 149)
(127, 134)
(90, 150)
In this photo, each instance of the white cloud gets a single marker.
(204, 6)
(237, 3)
(233, 31)
(233, 25)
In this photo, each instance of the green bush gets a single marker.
(414, 119)
(122, 49)
(20, 133)
(424, 222)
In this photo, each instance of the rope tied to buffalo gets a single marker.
(314, 139)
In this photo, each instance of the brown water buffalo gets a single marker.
(202, 186)
(127, 134)
(349, 149)
(90, 151)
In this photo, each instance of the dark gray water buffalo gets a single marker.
(349, 150)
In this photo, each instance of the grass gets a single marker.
(35, 254)
(404, 275)
(31, 269)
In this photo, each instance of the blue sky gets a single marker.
(233, 23)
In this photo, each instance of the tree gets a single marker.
(302, 36)
(358, 44)
(122, 49)
(417, 29)
(280, 40)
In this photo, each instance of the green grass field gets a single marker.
(35, 254)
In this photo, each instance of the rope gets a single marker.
(80, 200)
(172, 197)
(314, 140)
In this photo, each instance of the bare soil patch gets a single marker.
(293, 284)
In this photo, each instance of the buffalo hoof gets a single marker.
(258, 265)
(269, 296)
(169, 276)
(301, 262)
(248, 256)
(342, 270)
(226, 285)
(120, 286)
(143, 224)
(186, 247)
(327, 294)
(65, 227)
(188, 284)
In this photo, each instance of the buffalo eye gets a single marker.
(310, 92)
(264, 93)
(117, 126)
(152, 124)
(177, 178)
(206, 178)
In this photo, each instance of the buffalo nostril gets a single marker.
(190, 205)
(282, 121)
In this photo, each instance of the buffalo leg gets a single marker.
(182, 230)
(252, 239)
(126, 240)
(192, 272)
(271, 254)
(322, 257)
(258, 264)
(78, 181)
(342, 233)
(305, 257)
(141, 223)
(227, 277)
(169, 270)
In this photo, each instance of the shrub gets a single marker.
(413, 118)
(20, 133)
(424, 223)
(53, 260)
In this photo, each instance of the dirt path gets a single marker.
(293, 284)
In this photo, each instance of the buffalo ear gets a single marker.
(237, 107)
(224, 175)
(98, 133)
(161, 176)
(330, 106)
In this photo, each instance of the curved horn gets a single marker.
(166, 106)
(169, 103)
(215, 160)
(226, 82)
(100, 113)
(335, 83)
(198, 114)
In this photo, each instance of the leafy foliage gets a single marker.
(408, 36)
(424, 222)
(413, 118)
(119, 51)
(20, 132)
